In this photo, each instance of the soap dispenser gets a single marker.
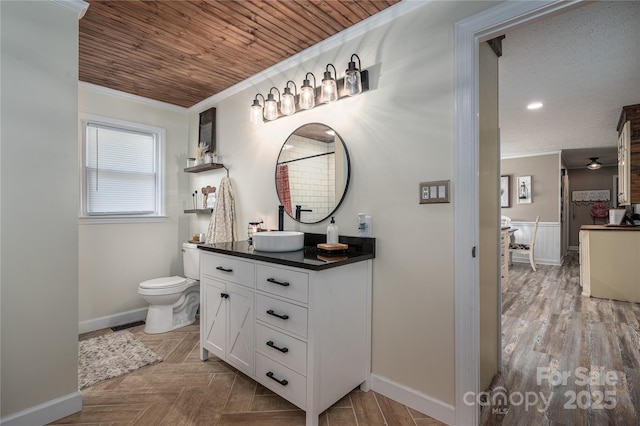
(332, 232)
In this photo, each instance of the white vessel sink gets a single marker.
(277, 241)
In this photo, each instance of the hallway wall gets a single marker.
(587, 180)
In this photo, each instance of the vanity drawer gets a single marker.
(288, 351)
(281, 314)
(228, 268)
(283, 282)
(283, 381)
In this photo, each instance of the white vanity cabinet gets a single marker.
(312, 327)
(226, 311)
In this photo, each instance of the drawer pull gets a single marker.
(220, 268)
(272, 345)
(224, 295)
(274, 281)
(284, 317)
(283, 382)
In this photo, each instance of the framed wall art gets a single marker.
(207, 130)
(505, 191)
(524, 190)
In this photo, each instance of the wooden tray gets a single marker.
(332, 247)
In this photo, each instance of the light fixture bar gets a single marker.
(364, 75)
(310, 96)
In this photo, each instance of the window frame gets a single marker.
(159, 133)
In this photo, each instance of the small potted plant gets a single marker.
(200, 150)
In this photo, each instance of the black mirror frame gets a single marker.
(346, 186)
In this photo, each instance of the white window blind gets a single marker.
(121, 168)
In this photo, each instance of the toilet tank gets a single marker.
(191, 261)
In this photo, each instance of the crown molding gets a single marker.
(531, 154)
(129, 97)
(78, 6)
(387, 15)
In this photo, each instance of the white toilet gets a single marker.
(173, 301)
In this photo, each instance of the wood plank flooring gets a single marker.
(567, 359)
(575, 359)
(182, 390)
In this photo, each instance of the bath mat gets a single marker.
(112, 355)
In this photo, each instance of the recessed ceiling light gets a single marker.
(534, 105)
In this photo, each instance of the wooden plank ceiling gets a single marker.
(182, 52)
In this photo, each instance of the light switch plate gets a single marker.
(436, 191)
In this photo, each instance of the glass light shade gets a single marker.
(594, 164)
(307, 97)
(352, 82)
(329, 90)
(288, 105)
(255, 114)
(270, 108)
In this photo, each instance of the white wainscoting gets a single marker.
(547, 247)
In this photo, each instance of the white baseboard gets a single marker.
(432, 407)
(46, 412)
(112, 320)
(525, 259)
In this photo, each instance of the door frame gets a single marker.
(469, 32)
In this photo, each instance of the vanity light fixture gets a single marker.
(329, 86)
(255, 112)
(271, 106)
(352, 79)
(288, 105)
(308, 93)
(354, 82)
(594, 164)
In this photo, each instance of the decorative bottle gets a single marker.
(332, 232)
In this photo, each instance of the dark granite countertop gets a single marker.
(308, 258)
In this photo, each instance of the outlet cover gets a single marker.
(436, 191)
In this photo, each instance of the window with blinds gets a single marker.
(122, 171)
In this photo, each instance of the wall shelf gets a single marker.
(198, 211)
(206, 167)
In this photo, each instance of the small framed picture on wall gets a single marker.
(524, 190)
(505, 191)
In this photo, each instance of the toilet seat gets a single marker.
(165, 285)
(164, 282)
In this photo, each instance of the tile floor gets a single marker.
(182, 390)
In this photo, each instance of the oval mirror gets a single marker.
(312, 173)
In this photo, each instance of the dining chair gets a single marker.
(505, 221)
(527, 248)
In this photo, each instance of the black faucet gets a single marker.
(280, 218)
(299, 210)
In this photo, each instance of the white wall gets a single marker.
(398, 134)
(115, 258)
(39, 244)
